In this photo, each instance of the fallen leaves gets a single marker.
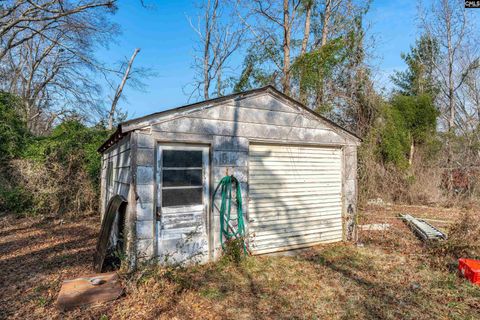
(389, 277)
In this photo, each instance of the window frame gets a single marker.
(110, 176)
(205, 177)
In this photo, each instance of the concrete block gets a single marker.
(145, 192)
(230, 158)
(226, 143)
(145, 175)
(144, 229)
(146, 157)
(145, 141)
(145, 211)
(145, 249)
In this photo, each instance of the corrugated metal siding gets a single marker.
(295, 196)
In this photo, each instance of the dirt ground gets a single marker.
(389, 276)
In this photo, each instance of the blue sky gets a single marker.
(166, 41)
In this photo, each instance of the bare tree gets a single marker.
(118, 93)
(269, 17)
(448, 23)
(23, 20)
(470, 100)
(281, 31)
(219, 36)
(49, 63)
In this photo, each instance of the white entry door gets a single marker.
(183, 179)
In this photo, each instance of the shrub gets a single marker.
(72, 145)
(14, 199)
(234, 250)
(463, 239)
(13, 131)
(55, 174)
(394, 139)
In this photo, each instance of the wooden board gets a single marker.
(81, 292)
(115, 206)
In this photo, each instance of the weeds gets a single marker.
(463, 241)
(234, 250)
(337, 281)
(57, 174)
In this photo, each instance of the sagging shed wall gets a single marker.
(228, 129)
(117, 179)
(115, 172)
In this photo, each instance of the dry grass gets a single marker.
(390, 277)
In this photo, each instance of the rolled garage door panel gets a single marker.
(295, 196)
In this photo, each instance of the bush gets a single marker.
(55, 174)
(234, 250)
(394, 139)
(72, 145)
(463, 239)
(404, 128)
(14, 199)
(13, 131)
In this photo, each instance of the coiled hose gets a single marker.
(227, 231)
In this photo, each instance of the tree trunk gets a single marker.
(326, 20)
(206, 53)
(120, 89)
(306, 35)
(306, 30)
(451, 101)
(412, 151)
(286, 48)
(219, 84)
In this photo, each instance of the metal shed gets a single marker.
(297, 173)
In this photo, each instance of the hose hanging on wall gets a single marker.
(227, 230)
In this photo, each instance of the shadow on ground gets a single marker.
(35, 256)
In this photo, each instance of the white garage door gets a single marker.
(295, 196)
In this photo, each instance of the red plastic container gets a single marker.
(470, 269)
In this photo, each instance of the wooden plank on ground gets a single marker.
(87, 290)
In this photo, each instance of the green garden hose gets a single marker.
(225, 186)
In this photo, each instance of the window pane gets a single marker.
(181, 158)
(181, 197)
(110, 174)
(182, 178)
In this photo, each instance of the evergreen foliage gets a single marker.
(419, 115)
(407, 120)
(411, 118)
(419, 76)
(68, 140)
(394, 142)
(13, 130)
(312, 69)
(50, 174)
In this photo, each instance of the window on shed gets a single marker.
(110, 174)
(182, 177)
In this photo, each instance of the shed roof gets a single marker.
(133, 124)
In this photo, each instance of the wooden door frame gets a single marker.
(206, 181)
